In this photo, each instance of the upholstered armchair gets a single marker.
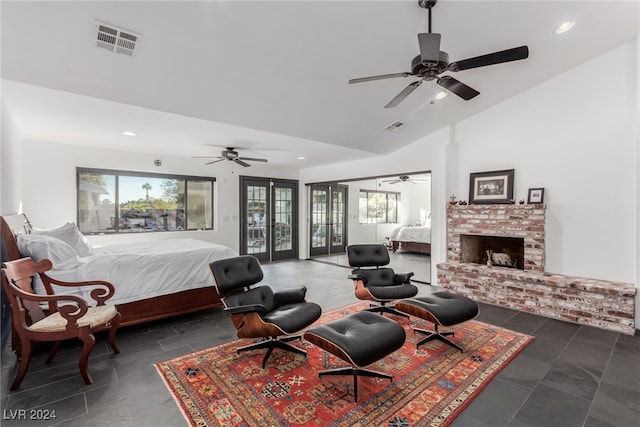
(374, 282)
(65, 316)
(259, 312)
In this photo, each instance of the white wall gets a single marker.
(575, 135)
(420, 197)
(10, 163)
(360, 232)
(49, 183)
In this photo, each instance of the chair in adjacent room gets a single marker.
(65, 316)
(374, 282)
(259, 312)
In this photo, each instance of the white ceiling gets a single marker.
(272, 76)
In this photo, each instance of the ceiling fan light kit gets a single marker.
(432, 62)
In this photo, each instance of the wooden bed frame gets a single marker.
(420, 247)
(132, 312)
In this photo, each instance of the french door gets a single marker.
(269, 218)
(328, 221)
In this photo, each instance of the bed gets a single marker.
(169, 277)
(411, 239)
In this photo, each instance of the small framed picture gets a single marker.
(536, 195)
(491, 187)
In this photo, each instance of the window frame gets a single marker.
(373, 220)
(117, 173)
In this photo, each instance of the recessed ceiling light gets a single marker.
(441, 94)
(128, 133)
(564, 26)
(301, 158)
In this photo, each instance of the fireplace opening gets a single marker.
(504, 251)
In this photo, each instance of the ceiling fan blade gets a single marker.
(508, 55)
(402, 95)
(241, 163)
(215, 161)
(462, 90)
(380, 77)
(206, 157)
(429, 47)
(252, 159)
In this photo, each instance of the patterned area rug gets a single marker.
(431, 385)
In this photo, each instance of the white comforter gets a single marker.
(147, 269)
(412, 234)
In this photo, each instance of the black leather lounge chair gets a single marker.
(259, 312)
(378, 284)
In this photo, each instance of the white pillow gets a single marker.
(38, 247)
(69, 234)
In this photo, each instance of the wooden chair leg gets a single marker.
(115, 324)
(89, 342)
(25, 360)
(52, 353)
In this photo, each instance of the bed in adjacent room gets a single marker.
(411, 239)
(152, 280)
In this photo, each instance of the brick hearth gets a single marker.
(600, 303)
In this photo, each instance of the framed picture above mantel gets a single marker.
(493, 187)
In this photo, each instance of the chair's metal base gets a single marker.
(437, 335)
(386, 309)
(271, 343)
(350, 370)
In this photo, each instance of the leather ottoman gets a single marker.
(441, 308)
(359, 339)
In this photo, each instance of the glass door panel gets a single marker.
(255, 224)
(338, 220)
(285, 220)
(328, 219)
(319, 207)
(269, 218)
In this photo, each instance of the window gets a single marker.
(126, 202)
(378, 207)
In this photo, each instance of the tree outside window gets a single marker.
(378, 207)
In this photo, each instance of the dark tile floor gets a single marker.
(569, 376)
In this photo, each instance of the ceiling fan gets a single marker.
(231, 154)
(432, 62)
(404, 178)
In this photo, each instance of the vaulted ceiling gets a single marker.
(271, 77)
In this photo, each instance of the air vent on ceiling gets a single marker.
(116, 39)
(394, 126)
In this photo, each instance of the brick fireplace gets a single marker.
(498, 222)
(517, 234)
